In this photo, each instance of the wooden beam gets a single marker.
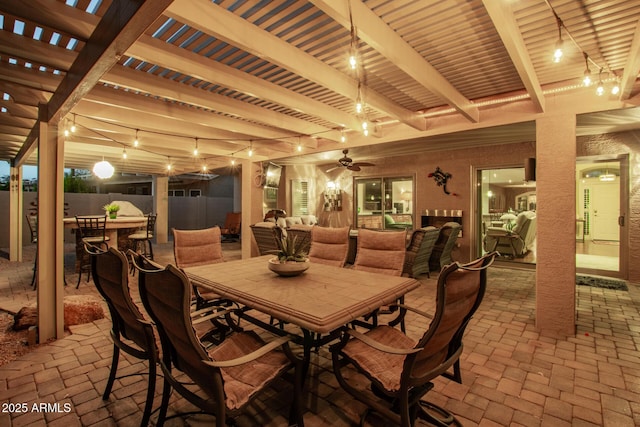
(505, 23)
(165, 55)
(632, 66)
(377, 34)
(170, 89)
(212, 19)
(39, 52)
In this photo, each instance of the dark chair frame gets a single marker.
(460, 292)
(32, 221)
(92, 229)
(148, 231)
(232, 227)
(130, 331)
(190, 357)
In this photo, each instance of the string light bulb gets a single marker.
(124, 153)
(195, 150)
(557, 53)
(73, 125)
(250, 153)
(233, 161)
(135, 141)
(600, 87)
(365, 128)
(299, 147)
(343, 136)
(615, 89)
(204, 168)
(359, 105)
(587, 72)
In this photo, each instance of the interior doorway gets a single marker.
(600, 216)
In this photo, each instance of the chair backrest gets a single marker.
(525, 226)
(419, 251)
(232, 223)
(441, 253)
(329, 245)
(92, 225)
(110, 271)
(460, 290)
(267, 236)
(32, 221)
(197, 247)
(166, 296)
(151, 224)
(381, 251)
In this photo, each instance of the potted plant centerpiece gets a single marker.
(112, 210)
(291, 259)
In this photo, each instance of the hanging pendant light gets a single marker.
(103, 169)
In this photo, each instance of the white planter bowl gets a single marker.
(288, 268)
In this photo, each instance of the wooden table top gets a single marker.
(321, 300)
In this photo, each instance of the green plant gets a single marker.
(291, 250)
(111, 207)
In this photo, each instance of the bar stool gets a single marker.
(141, 240)
(92, 229)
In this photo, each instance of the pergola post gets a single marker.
(161, 207)
(555, 216)
(15, 214)
(50, 275)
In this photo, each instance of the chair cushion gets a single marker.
(242, 381)
(384, 367)
(142, 235)
(329, 245)
(292, 220)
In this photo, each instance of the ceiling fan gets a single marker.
(346, 162)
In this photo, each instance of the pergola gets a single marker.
(251, 80)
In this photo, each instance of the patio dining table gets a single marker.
(320, 301)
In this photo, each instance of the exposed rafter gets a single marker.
(378, 35)
(505, 23)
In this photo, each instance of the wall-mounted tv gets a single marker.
(272, 175)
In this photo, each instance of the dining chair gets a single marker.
(416, 260)
(302, 234)
(32, 221)
(92, 229)
(198, 247)
(141, 239)
(232, 225)
(130, 332)
(441, 254)
(329, 245)
(228, 375)
(267, 236)
(381, 251)
(401, 369)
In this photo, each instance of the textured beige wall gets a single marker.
(458, 163)
(555, 216)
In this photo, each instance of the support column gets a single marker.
(15, 214)
(50, 295)
(555, 216)
(161, 207)
(247, 186)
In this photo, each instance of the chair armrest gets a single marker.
(413, 310)
(251, 356)
(497, 231)
(379, 346)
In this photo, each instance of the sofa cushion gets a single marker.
(292, 220)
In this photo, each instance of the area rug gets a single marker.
(601, 282)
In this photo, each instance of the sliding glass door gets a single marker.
(384, 202)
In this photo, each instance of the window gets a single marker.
(176, 193)
(195, 193)
(384, 202)
(299, 197)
